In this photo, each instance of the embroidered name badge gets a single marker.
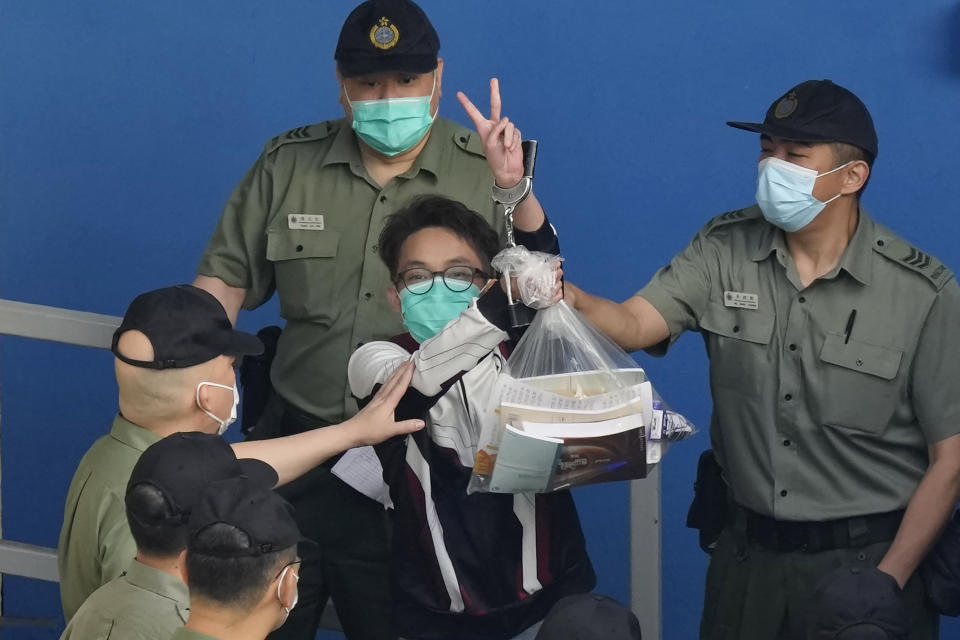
(741, 300)
(305, 221)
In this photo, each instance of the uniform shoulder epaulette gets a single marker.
(317, 131)
(731, 217)
(468, 140)
(894, 248)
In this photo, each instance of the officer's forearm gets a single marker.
(292, 456)
(927, 512)
(633, 324)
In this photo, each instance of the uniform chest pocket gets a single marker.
(304, 263)
(738, 342)
(860, 383)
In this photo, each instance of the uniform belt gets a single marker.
(814, 536)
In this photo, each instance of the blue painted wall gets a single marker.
(124, 126)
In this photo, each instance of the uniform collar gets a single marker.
(161, 583)
(132, 435)
(856, 259)
(346, 150)
(189, 634)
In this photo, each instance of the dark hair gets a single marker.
(436, 211)
(237, 582)
(844, 152)
(156, 529)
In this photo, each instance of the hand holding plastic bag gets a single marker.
(537, 274)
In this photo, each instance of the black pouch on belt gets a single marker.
(708, 511)
(940, 571)
(255, 378)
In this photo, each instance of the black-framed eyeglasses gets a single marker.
(419, 281)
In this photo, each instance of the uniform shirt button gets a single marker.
(299, 247)
(793, 347)
(374, 249)
(801, 299)
(383, 198)
(783, 493)
(788, 397)
(786, 443)
(736, 328)
(368, 295)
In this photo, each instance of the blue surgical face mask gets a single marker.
(785, 193)
(426, 314)
(392, 125)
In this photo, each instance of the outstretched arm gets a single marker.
(633, 324)
(292, 456)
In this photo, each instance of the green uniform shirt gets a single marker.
(95, 542)
(324, 266)
(187, 634)
(142, 604)
(817, 416)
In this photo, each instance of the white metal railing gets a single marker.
(59, 325)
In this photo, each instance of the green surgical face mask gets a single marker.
(392, 125)
(426, 314)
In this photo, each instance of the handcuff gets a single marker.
(509, 198)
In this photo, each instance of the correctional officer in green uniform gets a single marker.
(149, 601)
(304, 222)
(175, 352)
(833, 368)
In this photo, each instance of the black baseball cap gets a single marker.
(818, 111)
(186, 325)
(181, 466)
(589, 616)
(860, 603)
(386, 35)
(260, 513)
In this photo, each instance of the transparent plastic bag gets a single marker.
(574, 408)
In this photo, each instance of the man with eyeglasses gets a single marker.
(304, 222)
(473, 567)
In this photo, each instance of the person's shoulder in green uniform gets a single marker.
(909, 258)
(95, 543)
(323, 133)
(162, 390)
(145, 603)
(739, 221)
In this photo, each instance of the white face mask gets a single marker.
(233, 411)
(296, 594)
(785, 193)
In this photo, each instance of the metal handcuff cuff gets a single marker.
(520, 314)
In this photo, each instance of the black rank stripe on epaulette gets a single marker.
(916, 260)
(298, 134)
(729, 217)
(920, 262)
